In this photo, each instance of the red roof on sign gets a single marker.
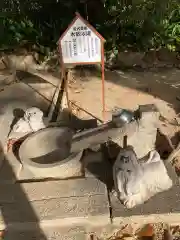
(86, 23)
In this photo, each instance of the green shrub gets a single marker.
(125, 24)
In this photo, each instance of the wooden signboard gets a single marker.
(82, 44)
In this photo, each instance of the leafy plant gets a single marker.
(125, 24)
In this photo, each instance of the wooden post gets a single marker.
(66, 88)
(52, 115)
(103, 82)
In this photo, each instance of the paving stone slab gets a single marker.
(78, 232)
(53, 233)
(61, 208)
(68, 199)
(64, 188)
(165, 203)
(35, 191)
(162, 203)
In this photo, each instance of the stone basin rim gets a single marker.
(25, 160)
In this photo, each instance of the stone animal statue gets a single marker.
(137, 181)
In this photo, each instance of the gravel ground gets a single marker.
(158, 231)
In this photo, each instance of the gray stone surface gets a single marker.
(71, 208)
(64, 188)
(97, 166)
(78, 232)
(163, 203)
(66, 200)
(50, 147)
(50, 156)
(27, 174)
(10, 168)
(143, 140)
(53, 233)
(102, 134)
(73, 168)
(36, 191)
(92, 162)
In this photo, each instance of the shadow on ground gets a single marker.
(15, 206)
(164, 84)
(27, 77)
(160, 83)
(16, 210)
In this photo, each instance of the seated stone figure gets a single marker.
(136, 181)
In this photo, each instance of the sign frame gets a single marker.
(102, 62)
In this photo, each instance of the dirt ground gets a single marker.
(123, 89)
(129, 90)
(158, 231)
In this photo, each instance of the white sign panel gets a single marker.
(80, 44)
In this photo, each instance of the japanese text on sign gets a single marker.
(80, 44)
(80, 31)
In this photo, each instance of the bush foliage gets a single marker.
(125, 24)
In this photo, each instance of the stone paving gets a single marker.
(73, 208)
(58, 200)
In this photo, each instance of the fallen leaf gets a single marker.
(145, 231)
